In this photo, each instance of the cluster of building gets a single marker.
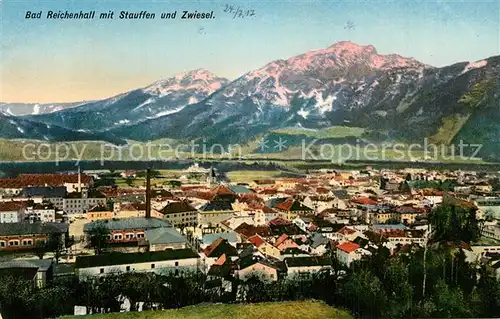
(282, 227)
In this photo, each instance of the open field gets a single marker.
(334, 131)
(248, 176)
(38, 151)
(289, 310)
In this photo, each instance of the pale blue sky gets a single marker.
(55, 60)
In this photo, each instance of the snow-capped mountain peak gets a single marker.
(320, 73)
(199, 80)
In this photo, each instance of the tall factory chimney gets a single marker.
(79, 180)
(148, 193)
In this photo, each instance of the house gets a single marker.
(408, 214)
(252, 265)
(232, 238)
(126, 233)
(304, 267)
(39, 271)
(180, 214)
(303, 222)
(264, 247)
(347, 234)
(491, 231)
(219, 275)
(80, 202)
(483, 187)
(403, 237)
(24, 236)
(223, 193)
(128, 174)
(279, 226)
(135, 209)
(163, 238)
(284, 241)
(318, 244)
(348, 252)
(99, 212)
(50, 194)
(291, 208)
(236, 220)
(293, 252)
(72, 182)
(44, 212)
(213, 213)
(218, 248)
(246, 231)
(177, 261)
(12, 212)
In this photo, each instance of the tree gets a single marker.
(55, 244)
(129, 181)
(98, 237)
(395, 279)
(447, 302)
(40, 248)
(364, 293)
(454, 223)
(15, 298)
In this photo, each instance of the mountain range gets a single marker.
(393, 98)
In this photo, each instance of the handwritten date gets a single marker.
(238, 12)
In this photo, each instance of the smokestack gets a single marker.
(148, 193)
(79, 180)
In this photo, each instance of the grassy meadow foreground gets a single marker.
(297, 309)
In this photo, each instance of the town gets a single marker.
(73, 226)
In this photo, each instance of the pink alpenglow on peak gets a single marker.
(475, 65)
(346, 53)
(199, 80)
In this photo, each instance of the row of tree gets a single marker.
(378, 287)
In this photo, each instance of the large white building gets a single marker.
(12, 212)
(177, 261)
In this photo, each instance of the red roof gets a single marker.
(256, 240)
(281, 239)
(222, 190)
(364, 201)
(212, 247)
(11, 206)
(250, 230)
(221, 261)
(348, 247)
(26, 180)
(286, 205)
(346, 231)
(279, 221)
(322, 190)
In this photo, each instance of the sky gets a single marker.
(45, 60)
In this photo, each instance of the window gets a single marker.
(152, 266)
(14, 243)
(101, 270)
(118, 236)
(176, 263)
(2, 244)
(128, 268)
(27, 242)
(140, 235)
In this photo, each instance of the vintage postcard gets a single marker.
(250, 159)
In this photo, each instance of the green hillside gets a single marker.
(289, 310)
